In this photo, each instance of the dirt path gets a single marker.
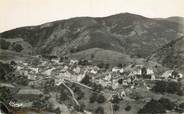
(72, 93)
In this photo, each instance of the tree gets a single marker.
(181, 105)
(143, 71)
(120, 65)
(80, 108)
(63, 95)
(13, 63)
(115, 99)
(49, 85)
(99, 110)
(83, 62)
(92, 56)
(92, 98)
(86, 80)
(100, 65)
(17, 47)
(97, 98)
(168, 87)
(22, 80)
(79, 93)
(152, 107)
(4, 109)
(97, 87)
(128, 108)
(167, 103)
(4, 44)
(159, 106)
(39, 104)
(174, 88)
(115, 107)
(100, 98)
(160, 87)
(35, 61)
(5, 69)
(2, 73)
(4, 94)
(120, 81)
(107, 66)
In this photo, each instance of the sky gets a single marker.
(18, 13)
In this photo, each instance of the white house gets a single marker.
(115, 69)
(77, 70)
(93, 71)
(180, 75)
(19, 68)
(73, 62)
(48, 72)
(34, 69)
(167, 74)
(150, 71)
(108, 77)
(121, 70)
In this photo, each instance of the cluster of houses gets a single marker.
(71, 70)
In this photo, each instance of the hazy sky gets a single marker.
(17, 13)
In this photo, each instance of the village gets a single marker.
(40, 79)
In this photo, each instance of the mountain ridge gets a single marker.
(130, 34)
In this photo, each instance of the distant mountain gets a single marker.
(176, 19)
(125, 34)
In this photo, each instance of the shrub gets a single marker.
(128, 108)
(39, 104)
(99, 110)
